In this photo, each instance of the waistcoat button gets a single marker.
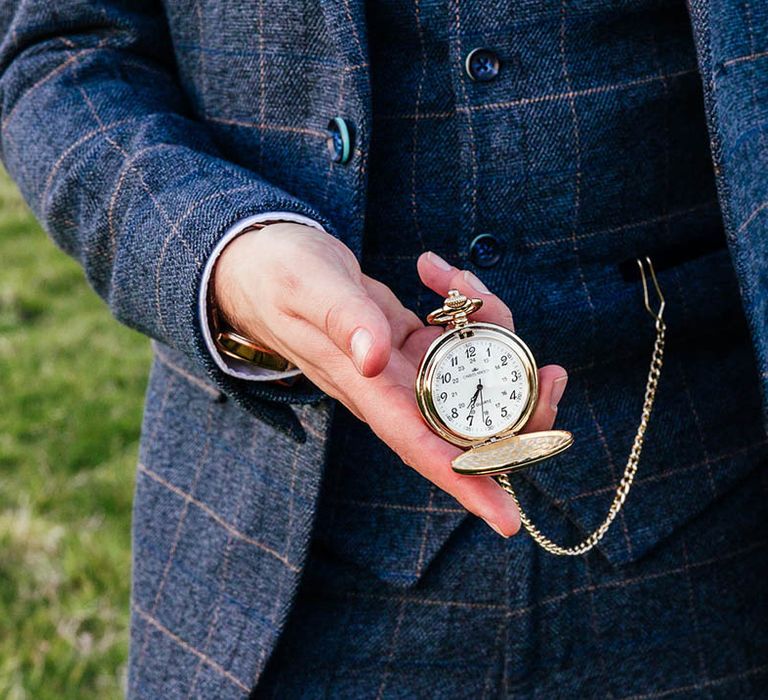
(339, 140)
(485, 250)
(482, 64)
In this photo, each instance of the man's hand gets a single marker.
(301, 292)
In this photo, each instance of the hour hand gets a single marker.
(473, 401)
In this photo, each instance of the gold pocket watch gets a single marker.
(478, 385)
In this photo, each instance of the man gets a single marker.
(231, 165)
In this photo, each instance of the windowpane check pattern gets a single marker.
(141, 131)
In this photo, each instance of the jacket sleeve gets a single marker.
(97, 134)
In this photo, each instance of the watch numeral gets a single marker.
(504, 412)
(446, 378)
(454, 413)
(504, 360)
(515, 375)
(454, 361)
(471, 350)
(443, 395)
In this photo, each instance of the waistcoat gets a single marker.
(608, 161)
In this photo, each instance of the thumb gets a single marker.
(340, 307)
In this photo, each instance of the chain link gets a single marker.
(657, 359)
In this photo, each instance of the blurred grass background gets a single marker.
(71, 384)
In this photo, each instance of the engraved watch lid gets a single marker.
(511, 453)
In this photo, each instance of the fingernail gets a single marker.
(475, 283)
(437, 261)
(558, 387)
(495, 528)
(361, 343)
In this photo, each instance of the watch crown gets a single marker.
(455, 299)
(455, 309)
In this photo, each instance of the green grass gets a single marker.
(71, 385)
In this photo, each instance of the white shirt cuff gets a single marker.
(240, 368)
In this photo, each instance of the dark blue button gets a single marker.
(482, 64)
(485, 250)
(339, 140)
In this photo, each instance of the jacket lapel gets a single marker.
(346, 25)
(732, 48)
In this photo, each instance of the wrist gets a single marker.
(237, 261)
(225, 296)
(228, 300)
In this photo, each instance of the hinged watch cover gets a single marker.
(507, 454)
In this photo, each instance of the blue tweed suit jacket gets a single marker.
(140, 131)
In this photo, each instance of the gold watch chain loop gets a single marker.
(654, 373)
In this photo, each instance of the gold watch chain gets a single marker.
(654, 373)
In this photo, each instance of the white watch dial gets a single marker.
(480, 387)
